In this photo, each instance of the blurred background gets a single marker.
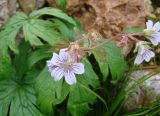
(105, 16)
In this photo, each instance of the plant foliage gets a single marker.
(110, 59)
(27, 87)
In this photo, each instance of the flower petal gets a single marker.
(141, 50)
(63, 50)
(153, 41)
(156, 35)
(78, 68)
(148, 55)
(64, 55)
(156, 26)
(51, 66)
(57, 73)
(139, 59)
(149, 24)
(56, 59)
(70, 78)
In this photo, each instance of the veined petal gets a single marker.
(64, 55)
(70, 78)
(156, 35)
(148, 55)
(149, 24)
(57, 73)
(141, 50)
(51, 66)
(156, 26)
(63, 50)
(139, 59)
(78, 68)
(56, 59)
(62, 65)
(49, 63)
(153, 41)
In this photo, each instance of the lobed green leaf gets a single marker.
(109, 58)
(80, 95)
(50, 92)
(17, 99)
(9, 32)
(38, 55)
(53, 12)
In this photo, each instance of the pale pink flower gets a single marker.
(143, 54)
(152, 32)
(63, 64)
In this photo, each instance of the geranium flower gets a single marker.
(152, 32)
(143, 54)
(65, 65)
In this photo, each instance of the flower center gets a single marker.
(148, 32)
(66, 64)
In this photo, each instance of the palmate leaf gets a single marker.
(50, 92)
(18, 99)
(9, 32)
(80, 94)
(7, 39)
(53, 12)
(79, 100)
(101, 57)
(30, 36)
(17, 94)
(65, 30)
(39, 54)
(34, 29)
(38, 28)
(109, 58)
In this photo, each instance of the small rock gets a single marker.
(146, 93)
(4, 11)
